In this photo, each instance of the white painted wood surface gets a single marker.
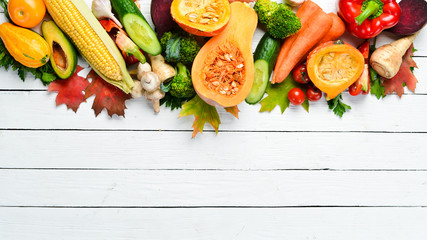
(265, 176)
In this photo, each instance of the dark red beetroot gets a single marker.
(413, 18)
(161, 16)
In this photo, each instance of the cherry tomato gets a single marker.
(300, 74)
(26, 13)
(296, 96)
(314, 94)
(355, 88)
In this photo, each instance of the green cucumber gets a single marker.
(265, 57)
(136, 26)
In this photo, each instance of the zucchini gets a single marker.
(265, 57)
(136, 26)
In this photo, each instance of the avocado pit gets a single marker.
(59, 56)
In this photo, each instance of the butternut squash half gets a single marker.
(223, 70)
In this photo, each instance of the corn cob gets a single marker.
(76, 20)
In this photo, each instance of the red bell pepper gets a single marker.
(363, 84)
(368, 18)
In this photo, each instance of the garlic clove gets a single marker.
(102, 9)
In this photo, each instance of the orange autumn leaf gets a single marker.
(203, 113)
(233, 110)
(70, 90)
(106, 96)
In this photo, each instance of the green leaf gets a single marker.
(278, 95)
(377, 87)
(173, 48)
(166, 86)
(233, 110)
(203, 113)
(48, 77)
(338, 107)
(22, 74)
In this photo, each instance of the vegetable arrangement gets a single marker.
(199, 56)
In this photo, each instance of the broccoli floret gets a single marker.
(166, 36)
(279, 19)
(283, 23)
(179, 46)
(182, 86)
(264, 9)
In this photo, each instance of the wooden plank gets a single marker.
(160, 150)
(212, 188)
(368, 114)
(239, 224)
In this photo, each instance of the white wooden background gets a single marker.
(264, 176)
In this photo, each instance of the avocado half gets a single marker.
(64, 57)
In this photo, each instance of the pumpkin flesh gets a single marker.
(223, 70)
(334, 66)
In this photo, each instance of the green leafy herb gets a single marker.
(278, 95)
(172, 102)
(203, 113)
(338, 106)
(45, 73)
(377, 87)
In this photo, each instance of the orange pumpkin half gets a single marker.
(223, 70)
(334, 66)
(203, 18)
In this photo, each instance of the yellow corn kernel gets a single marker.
(90, 45)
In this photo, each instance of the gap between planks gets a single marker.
(207, 130)
(211, 207)
(216, 169)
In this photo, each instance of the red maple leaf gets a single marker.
(106, 96)
(404, 75)
(70, 90)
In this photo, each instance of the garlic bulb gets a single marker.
(295, 3)
(102, 9)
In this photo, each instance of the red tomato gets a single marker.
(355, 88)
(314, 94)
(26, 13)
(300, 74)
(296, 96)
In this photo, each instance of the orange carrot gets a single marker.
(315, 24)
(307, 9)
(337, 29)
